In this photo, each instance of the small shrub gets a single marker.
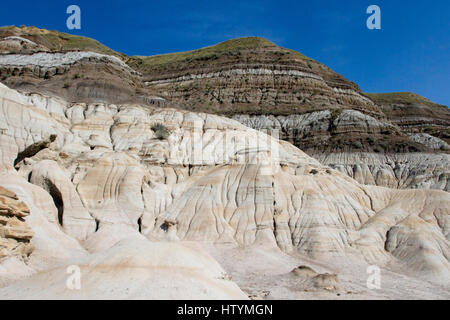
(161, 131)
(335, 114)
(384, 145)
(66, 85)
(356, 144)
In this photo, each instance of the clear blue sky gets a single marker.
(410, 53)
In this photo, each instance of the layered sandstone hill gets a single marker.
(397, 140)
(108, 192)
(417, 116)
(250, 75)
(276, 90)
(72, 67)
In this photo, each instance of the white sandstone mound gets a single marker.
(105, 192)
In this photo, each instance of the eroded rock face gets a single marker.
(370, 151)
(398, 171)
(107, 177)
(15, 234)
(16, 43)
(331, 131)
(430, 141)
(72, 215)
(44, 62)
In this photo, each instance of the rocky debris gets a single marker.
(304, 272)
(15, 235)
(260, 295)
(307, 279)
(326, 281)
(170, 227)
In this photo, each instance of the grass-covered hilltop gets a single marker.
(56, 41)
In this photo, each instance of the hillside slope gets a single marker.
(249, 75)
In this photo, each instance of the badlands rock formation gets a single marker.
(396, 140)
(135, 211)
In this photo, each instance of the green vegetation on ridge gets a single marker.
(58, 41)
(229, 47)
(233, 45)
(407, 98)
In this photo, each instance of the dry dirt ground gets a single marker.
(266, 273)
